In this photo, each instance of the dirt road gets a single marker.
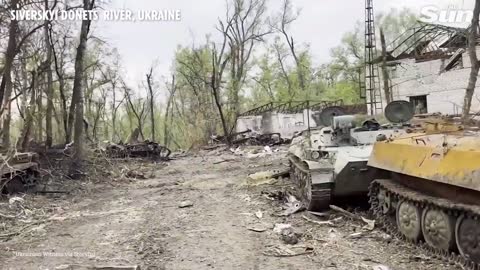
(141, 223)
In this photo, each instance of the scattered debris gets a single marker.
(321, 223)
(293, 205)
(381, 267)
(249, 137)
(185, 204)
(279, 227)
(284, 251)
(259, 214)
(87, 267)
(260, 178)
(319, 214)
(135, 175)
(370, 224)
(224, 161)
(288, 235)
(356, 235)
(261, 227)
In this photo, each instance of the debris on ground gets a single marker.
(261, 227)
(287, 234)
(185, 204)
(260, 178)
(279, 227)
(291, 251)
(381, 267)
(90, 267)
(330, 223)
(259, 214)
(135, 175)
(249, 137)
(369, 224)
(292, 206)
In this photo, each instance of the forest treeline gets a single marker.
(60, 83)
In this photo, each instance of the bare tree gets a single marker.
(219, 62)
(248, 27)
(151, 98)
(287, 17)
(172, 89)
(281, 61)
(472, 49)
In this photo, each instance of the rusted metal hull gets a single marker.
(448, 159)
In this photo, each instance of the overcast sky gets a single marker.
(321, 24)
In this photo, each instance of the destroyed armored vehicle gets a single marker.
(330, 161)
(18, 172)
(428, 190)
(146, 149)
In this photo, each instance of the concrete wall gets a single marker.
(272, 122)
(445, 91)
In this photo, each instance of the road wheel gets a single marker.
(438, 229)
(409, 218)
(467, 234)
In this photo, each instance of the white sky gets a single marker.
(322, 24)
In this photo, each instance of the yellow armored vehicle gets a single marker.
(428, 189)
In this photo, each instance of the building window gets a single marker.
(420, 104)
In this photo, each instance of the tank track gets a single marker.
(399, 192)
(313, 197)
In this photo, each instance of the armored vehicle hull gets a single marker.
(429, 192)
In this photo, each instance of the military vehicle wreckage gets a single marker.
(330, 161)
(422, 181)
(427, 190)
(18, 172)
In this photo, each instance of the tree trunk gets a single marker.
(472, 50)
(386, 77)
(27, 126)
(152, 113)
(39, 116)
(167, 112)
(114, 114)
(78, 88)
(49, 86)
(9, 56)
(7, 115)
(6, 84)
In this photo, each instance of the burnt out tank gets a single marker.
(428, 190)
(329, 162)
(18, 172)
